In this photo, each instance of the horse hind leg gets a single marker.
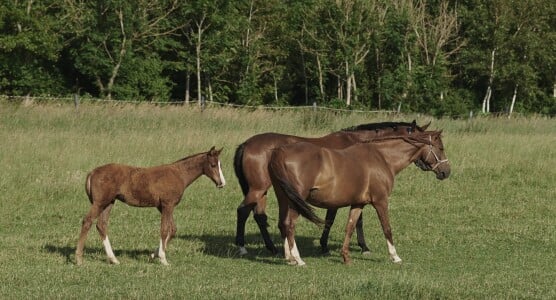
(102, 227)
(289, 243)
(93, 213)
(354, 214)
(262, 221)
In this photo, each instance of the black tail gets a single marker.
(238, 168)
(302, 207)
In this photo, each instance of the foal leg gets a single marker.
(361, 236)
(354, 214)
(381, 208)
(167, 231)
(102, 227)
(330, 217)
(93, 213)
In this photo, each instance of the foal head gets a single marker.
(212, 167)
(432, 156)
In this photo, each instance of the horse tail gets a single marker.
(238, 168)
(88, 187)
(278, 173)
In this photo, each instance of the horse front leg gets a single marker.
(381, 208)
(354, 214)
(329, 220)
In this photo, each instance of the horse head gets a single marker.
(432, 156)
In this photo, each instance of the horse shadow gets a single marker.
(223, 246)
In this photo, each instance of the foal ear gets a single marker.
(424, 127)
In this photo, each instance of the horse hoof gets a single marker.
(242, 251)
(396, 260)
(366, 253)
(114, 261)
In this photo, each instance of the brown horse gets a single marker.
(161, 187)
(362, 174)
(251, 168)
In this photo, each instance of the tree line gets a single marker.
(443, 57)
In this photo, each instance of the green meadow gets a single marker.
(487, 232)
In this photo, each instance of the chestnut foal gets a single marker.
(161, 187)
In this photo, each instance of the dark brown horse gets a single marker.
(161, 187)
(362, 174)
(251, 168)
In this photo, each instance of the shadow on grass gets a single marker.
(222, 246)
(68, 252)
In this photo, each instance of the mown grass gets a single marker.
(487, 232)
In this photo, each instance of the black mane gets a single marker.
(378, 126)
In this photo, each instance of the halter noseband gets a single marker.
(438, 160)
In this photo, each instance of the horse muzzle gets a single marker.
(442, 172)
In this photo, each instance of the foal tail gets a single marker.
(278, 175)
(88, 187)
(238, 168)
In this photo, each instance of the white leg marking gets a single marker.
(108, 248)
(242, 251)
(296, 256)
(222, 179)
(162, 254)
(393, 255)
(287, 252)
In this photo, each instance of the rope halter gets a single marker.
(438, 160)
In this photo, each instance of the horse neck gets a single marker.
(398, 152)
(191, 167)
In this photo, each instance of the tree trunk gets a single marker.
(486, 100)
(187, 79)
(198, 52)
(348, 86)
(321, 80)
(513, 102)
(211, 99)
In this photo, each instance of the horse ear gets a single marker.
(218, 152)
(211, 151)
(424, 127)
(413, 126)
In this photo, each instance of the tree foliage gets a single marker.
(442, 57)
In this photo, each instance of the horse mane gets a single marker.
(379, 126)
(417, 137)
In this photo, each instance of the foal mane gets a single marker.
(190, 156)
(379, 126)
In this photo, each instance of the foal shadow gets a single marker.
(68, 252)
(64, 251)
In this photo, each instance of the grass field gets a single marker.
(488, 232)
